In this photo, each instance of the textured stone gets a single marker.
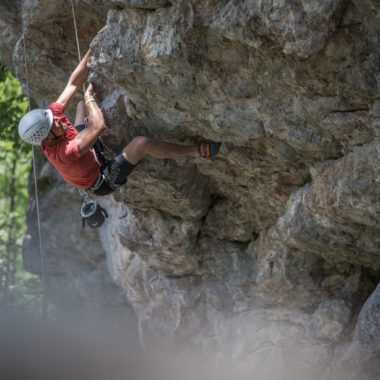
(339, 210)
(266, 253)
(144, 4)
(10, 29)
(364, 351)
(167, 242)
(179, 190)
(331, 318)
(300, 27)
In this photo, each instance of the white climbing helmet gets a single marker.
(35, 126)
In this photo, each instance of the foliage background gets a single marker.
(20, 291)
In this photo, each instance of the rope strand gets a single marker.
(25, 63)
(44, 304)
(76, 30)
(77, 39)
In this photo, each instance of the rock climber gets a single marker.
(71, 152)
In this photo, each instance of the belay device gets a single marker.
(92, 213)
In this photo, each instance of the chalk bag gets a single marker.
(93, 214)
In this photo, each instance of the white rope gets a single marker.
(44, 306)
(83, 193)
(77, 39)
(76, 30)
(34, 159)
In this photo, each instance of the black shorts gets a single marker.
(115, 174)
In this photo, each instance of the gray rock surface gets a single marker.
(265, 254)
(365, 348)
(364, 351)
(10, 29)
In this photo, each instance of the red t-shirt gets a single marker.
(80, 171)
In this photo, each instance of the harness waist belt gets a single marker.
(98, 182)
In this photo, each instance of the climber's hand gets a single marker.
(90, 92)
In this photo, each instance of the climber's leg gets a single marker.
(142, 146)
(81, 114)
(117, 170)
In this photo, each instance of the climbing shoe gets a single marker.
(208, 149)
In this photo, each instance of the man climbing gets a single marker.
(72, 153)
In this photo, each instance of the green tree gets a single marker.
(19, 290)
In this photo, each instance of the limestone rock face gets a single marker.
(264, 255)
(364, 351)
(10, 29)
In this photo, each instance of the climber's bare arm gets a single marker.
(87, 138)
(75, 82)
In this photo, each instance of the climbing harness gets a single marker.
(44, 303)
(91, 212)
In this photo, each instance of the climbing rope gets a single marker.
(44, 304)
(82, 192)
(77, 39)
(43, 277)
(76, 30)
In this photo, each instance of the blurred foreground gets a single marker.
(32, 349)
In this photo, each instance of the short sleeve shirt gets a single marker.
(80, 171)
